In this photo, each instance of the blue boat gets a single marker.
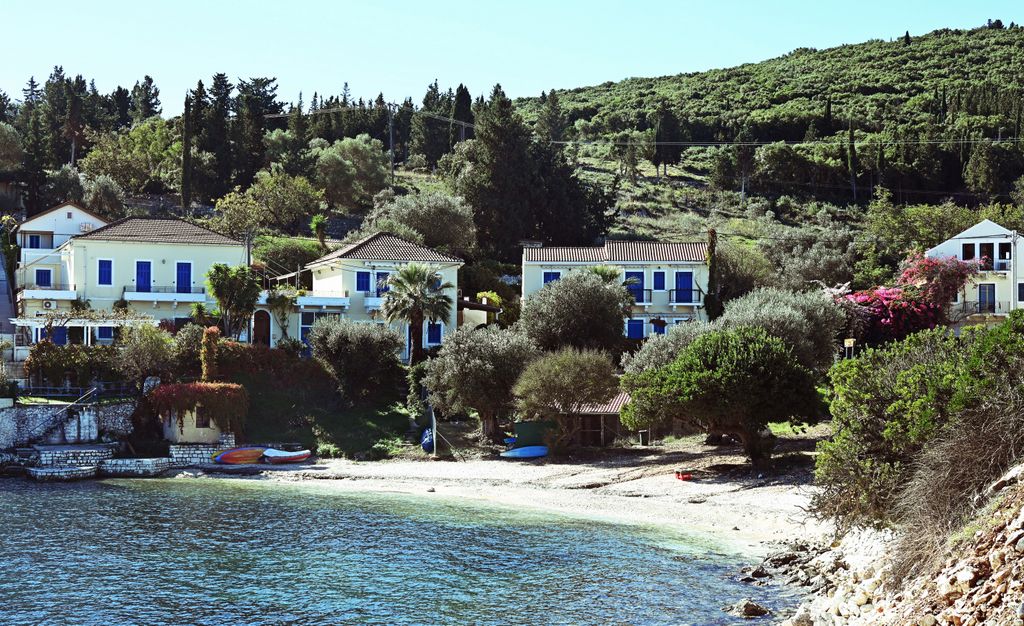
(526, 452)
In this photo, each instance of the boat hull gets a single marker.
(239, 456)
(526, 452)
(284, 456)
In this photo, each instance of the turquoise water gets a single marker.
(243, 552)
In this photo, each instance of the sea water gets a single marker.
(239, 552)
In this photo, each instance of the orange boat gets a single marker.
(239, 456)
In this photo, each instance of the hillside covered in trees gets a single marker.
(925, 116)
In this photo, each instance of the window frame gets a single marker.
(99, 264)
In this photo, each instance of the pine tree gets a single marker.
(122, 106)
(430, 136)
(217, 129)
(667, 135)
(186, 154)
(145, 100)
(34, 159)
(550, 121)
(462, 110)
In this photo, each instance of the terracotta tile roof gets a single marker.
(159, 230)
(616, 251)
(387, 247)
(611, 407)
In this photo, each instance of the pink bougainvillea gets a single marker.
(892, 313)
(937, 279)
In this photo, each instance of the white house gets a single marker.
(43, 233)
(999, 287)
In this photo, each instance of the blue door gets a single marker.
(184, 276)
(433, 333)
(987, 298)
(635, 329)
(60, 335)
(684, 288)
(635, 284)
(143, 276)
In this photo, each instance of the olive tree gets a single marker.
(361, 357)
(476, 370)
(558, 386)
(580, 310)
(144, 350)
(727, 381)
(442, 220)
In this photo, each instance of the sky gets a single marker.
(398, 47)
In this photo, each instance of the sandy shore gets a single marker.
(725, 503)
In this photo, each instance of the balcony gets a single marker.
(641, 297)
(685, 297)
(323, 300)
(373, 299)
(962, 310)
(164, 294)
(43, 256)
(52, 291)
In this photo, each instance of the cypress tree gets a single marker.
(462, 110)
(186, 154)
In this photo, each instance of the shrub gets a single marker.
(226, 403)
(580, 310)
(186, 348)
(726, 381)
(442, 220)
(359, 356)
(557, 386)
(142, 351)
(476, 370)
(74, 364)
(285, 254)
(886, 404)
(892, 313)
(660, 350)
(208, 352)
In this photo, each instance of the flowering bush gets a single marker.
(227, 403)
(892, 313)
(938, 280)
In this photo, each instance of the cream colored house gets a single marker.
(999, 287)
(196, 427)
(668, 280)
(157, 267)
(39, 236)
(350, 283)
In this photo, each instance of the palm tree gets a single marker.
(319, 227)
(610, 275)
(415, 295)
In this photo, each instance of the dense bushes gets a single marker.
(360, 357)
(726, 381)
(227, 404)
(76, 365)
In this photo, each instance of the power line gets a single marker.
(842, 143)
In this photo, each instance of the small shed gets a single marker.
(599, 424)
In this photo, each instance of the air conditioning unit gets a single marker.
(85, 227)
(49, 304)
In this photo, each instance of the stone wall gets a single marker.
(20, 424)
(134, 468)
(61, 474)
(91, 455)
(186, 454)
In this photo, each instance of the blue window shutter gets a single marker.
(363, 281)
(33, 241)
(658, 329)
(143, 276)
(635, 329)
(106, 272)
(183, 275)
(60, 336)
(637, 288)
(105, 332)
(433, 332)
(1020, 292)
(684, 287)
(44, 278)
(659, 281)
(551, 276)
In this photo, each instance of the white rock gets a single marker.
(871, 584)
(927, 620)
(860, 598)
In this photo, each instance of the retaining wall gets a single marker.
(187, 454)
(61, 456)
(62, 473)
(20, 424)
(134, 468)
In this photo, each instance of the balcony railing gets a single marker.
(373, 293)
(49, 287)
(983, 307)
(640, 296)
(686, 296)
(164, 289)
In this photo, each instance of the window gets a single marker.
(308, 318)
(434, 333)
(34, 241)
(967, 252)
(635, 285)
(987, 298)
(659, 329)
(143, 276)
(550, 277)
(988, 255)
(44, 278)
(105, 272)
(382, 283)
(183, 277)
(658, 280)
(1020, 292)
(202, 418)
(1003, 262)
(635, 329)
(105, 333)
(363, 281)
(684, 288)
